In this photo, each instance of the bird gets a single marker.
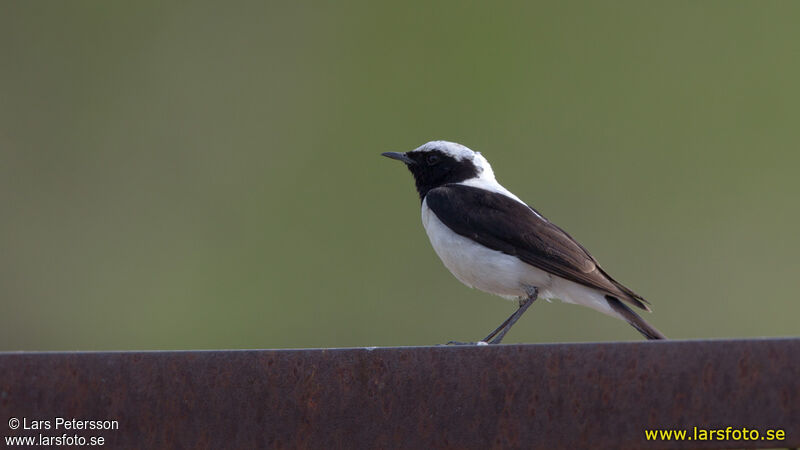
(491, 240)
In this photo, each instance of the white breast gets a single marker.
(478, 266)
(501, 274)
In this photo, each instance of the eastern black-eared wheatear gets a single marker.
(491, 240)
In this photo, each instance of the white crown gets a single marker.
(457, 151)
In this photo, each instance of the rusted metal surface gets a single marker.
(510, 396)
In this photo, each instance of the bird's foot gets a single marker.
(467, 343)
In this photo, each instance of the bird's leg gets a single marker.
(493, 333)
(502, 325)
(533, 294)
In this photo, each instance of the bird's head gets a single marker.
(440, 162)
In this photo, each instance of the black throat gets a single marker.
(434, 168)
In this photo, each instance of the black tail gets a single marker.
(632, 318)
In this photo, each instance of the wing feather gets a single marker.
(504, 224)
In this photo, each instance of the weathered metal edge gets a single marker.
(603, 395)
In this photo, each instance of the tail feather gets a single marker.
(630, 296)
(632, 318)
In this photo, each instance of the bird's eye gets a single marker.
(433, 159)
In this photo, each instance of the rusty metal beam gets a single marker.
(509, 396)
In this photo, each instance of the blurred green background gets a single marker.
(207, 175)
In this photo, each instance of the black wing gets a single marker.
(504, 224)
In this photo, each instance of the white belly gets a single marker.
(481, 267)
(501, 274)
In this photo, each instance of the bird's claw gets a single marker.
(467, 343)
